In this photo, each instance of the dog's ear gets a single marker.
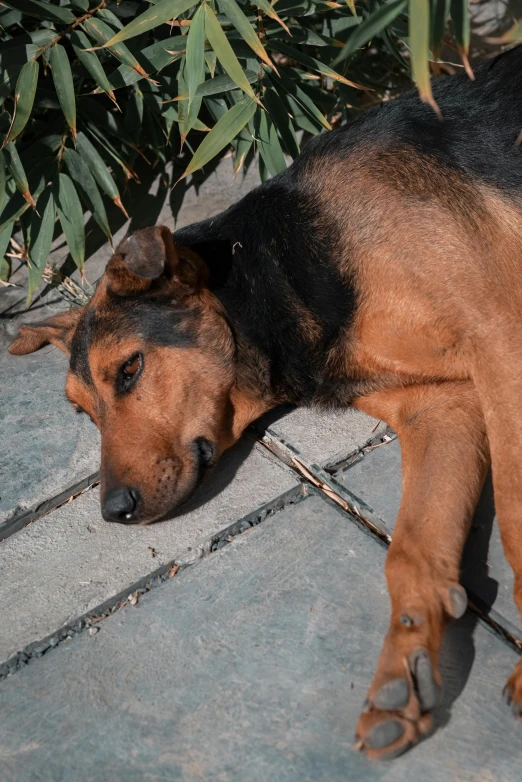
(58, 330)
(148, 256)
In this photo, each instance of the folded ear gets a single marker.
(146, 256)
(58, 330)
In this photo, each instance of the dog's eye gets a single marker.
(132, 365)
(129, 372)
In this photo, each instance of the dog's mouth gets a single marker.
(205, 453)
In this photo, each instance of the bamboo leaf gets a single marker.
(268, 143)
(70, 213)
(24, 99)
(265, 6)
(90, 61)
(222, 134)
(312, 63)
(195, 56)
(244, 145)
(223, 83)
(234, 13)
(282, 121)
(293, 89)
(49, 12)
(2, 180)
(5, 265)
(419, 36)
(210, 59)
(439, 17)
(63, 84)
(99, 170)
(461, 30)
(101, 33)
(86, 184)
(42, 229)
(374, 24)
(18, 173)
(152, 17)
(224, 52)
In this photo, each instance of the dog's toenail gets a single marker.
(458, 601)
(406, 620)
(383, 734)
(427, 688)
(367, 706)
(507, 694)
(392, 695)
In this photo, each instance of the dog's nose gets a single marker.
(120, 505)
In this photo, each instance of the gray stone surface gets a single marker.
(376, 479)
(325, 438)
(71, 561)
(252, 665)
(46, 446)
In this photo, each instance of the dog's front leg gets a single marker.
(444, 461)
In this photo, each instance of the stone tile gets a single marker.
(376, 479)
(320, 437)
(46, 446)
(252, 665)
(71, 561)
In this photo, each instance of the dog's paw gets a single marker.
(398, 709)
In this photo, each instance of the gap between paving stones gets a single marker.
(16, 523)
(131, 595)
(314, 480)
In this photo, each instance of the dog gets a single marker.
(382, 270)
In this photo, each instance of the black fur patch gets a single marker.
(156, 321)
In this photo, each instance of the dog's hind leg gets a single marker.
(497, 376)
(444, 462)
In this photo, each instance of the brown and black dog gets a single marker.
(382, 270)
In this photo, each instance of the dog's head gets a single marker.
(152, 362)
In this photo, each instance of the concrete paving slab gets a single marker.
(46, 446)
(252, 665)
(320, 437)
(71, 561)
(376, 479)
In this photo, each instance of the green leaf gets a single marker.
(24, 99)
(195, 58)
(210, 59)
(439, 17)
(134, 114)
(96, 165)
(90, 61)
(419, 39)
(293, 89)
(51, 13)
(70, 213)
(2, 180)
(222, 134)
(18, 173)
(310, 62)
(224, 52)
(63, 84)
(268, 143)
(234, 13)
(42, 230)
(101, 33)
(152, 17)
(223, 83)
(281, 119)
(461, 30)
(87, 188)
(265, 6)
(244, 145)
(5, 236)
(374, 24)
